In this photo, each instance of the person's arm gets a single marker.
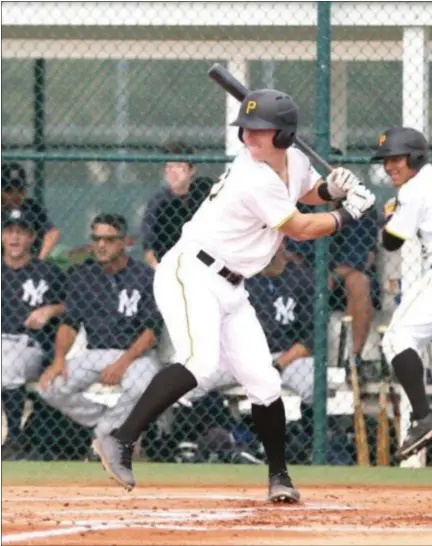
(148, 231)
(150, 259)
(296, 351)
(335, 187)
(113, 373)
(50, 239)
(313, 196)
(38, 318)
(65, 338)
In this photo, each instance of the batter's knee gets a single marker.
(396, 341)
(265, 390)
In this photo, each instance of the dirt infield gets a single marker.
(176, 515)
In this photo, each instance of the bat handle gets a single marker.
(312, 154)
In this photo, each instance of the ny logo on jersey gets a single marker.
(284, 310)
(128, 306)
(34, 295)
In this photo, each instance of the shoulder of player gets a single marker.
(160, 198)
(202, 183)
(299, 278)
(139, 270)
(45, 268)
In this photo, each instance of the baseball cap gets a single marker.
(13, 177)
(115, 220)
(18, 217)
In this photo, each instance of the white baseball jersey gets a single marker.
(413, 214)
(238, 223)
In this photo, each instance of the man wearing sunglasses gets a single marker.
(112, 298)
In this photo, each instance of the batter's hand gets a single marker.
(359, 200)
(340, 181)
(113, 374)
(37, 319)
(58, 367)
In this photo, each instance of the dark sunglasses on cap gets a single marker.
(106, 238)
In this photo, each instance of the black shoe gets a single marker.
(418, 436)
(281, 489)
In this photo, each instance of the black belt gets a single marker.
(233, 278)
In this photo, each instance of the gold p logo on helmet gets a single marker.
(251, 105)
(381, 140)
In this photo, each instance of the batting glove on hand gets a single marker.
(340, 181)
(359, 200)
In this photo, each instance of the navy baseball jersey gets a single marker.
(284, 306)
(39, 218)
(25, 289)
(167, 213)
(114, 308)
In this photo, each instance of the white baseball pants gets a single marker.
(411, 324)
(21, 360)
(213, 326)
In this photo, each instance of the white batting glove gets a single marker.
(340, 181)
(359, 200)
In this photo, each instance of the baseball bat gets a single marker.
(231, 85)
(383, 432)
(393, 396)
(361, 441)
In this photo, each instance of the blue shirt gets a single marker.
(284, 306)
(114, 308)
(30, 287)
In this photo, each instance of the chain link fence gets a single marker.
(112, 136)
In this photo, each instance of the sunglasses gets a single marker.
(106, 238)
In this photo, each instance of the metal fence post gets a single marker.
(39, 128)
(321, 272)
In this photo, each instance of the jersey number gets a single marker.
(216, 189)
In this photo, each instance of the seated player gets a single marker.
(32, 298)
(112, 298)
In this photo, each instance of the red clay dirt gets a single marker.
(80, 515)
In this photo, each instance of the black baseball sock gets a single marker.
(409, 371)
(165, 389)
(13, 404)
(270, 426)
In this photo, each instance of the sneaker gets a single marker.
(419, 434)
(116, 458)
(281, 489)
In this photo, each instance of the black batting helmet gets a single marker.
(269, 109)
(403, 141)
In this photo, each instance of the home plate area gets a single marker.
(106, 515)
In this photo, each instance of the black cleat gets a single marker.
(281, 489)
(418, 436)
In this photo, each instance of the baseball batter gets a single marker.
(404, 151)
(199, 284)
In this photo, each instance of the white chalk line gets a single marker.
(34, 535)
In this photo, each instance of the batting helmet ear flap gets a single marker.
(283, 139)
(416, 160)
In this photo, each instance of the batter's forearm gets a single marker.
(303, 227)
(65, 338)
